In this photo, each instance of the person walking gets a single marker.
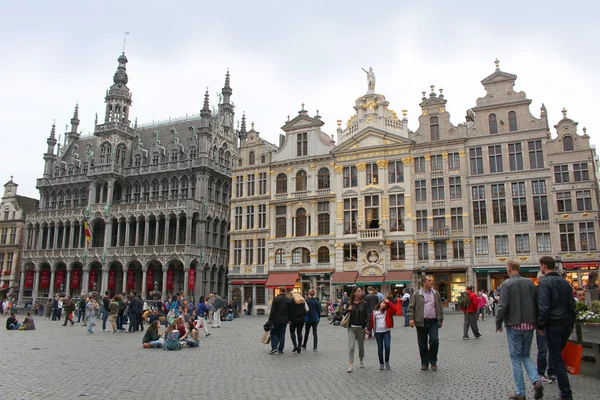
(382, 319)
(249, 307)
(405, 304)
(517, 311)
(69, 307)
(113, 309)
(298, 309)
(280, 310)
(313, 316)
(81, 310)
(469, 303)
(359, 315)
(132, 313)
(203, 309)
(482, 305)
(105, 310)
(426, 314)
(543, 361)
(90, 308)
(55, 309)
(218, 307)
(556, 318)
(372, 300)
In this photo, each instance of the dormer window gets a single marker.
(105, 153)
(193, 152)
(263, 159)
(568, 143)
(174, 155)
(56, 171)
(434, 128)
(85, 168)
(493, 124)
(302, 144)
(137, 161)
(251, 158)
(512, 121)
(155, 158)
(70, 171)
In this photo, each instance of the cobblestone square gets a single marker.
(56, 362)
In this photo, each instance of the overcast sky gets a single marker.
(281, 54)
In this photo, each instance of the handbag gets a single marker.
(571, 356)
(266, 337)
(346, 320)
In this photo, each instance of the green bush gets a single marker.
(595, 307)
(579, 306)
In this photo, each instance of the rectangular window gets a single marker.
(437, 189)
(262, 183)
(350, 215)
(479, 209)
(481, 246)
(561, 173)
(372, 174)
(302, 144)
(544, 245)
(4, 236)
(249, 217)
(495, 154)
(323, 218)
(567, 236)
(9, 261)
(420, 190)
(251, 184)
(350, 177)
(439, 218)
(476, 160)
(455, 188)
(458, 249)
(453, 161)
(437, 163)
(563, 202)
(441, 250)
(237, 252)
(586, 236)
(261, 251)
(262, 216)
(238, 218)
(522, 243)
(423, 250)
(239, 186)
(396, 212)
(372, 211)
(1, 261)
(540, 200)
(261, 297)
(519, 202)
(280, 221)
(584, 200)
(456, 218)
(397, 251)
(421, 221)
(249, 251)
(396, 171)
(13, 234)
(350, 252)
(419, 165)
(536, 155)
(499, 203)
(515, 156)
(581, 172)
(501, 244)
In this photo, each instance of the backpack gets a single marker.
(464, 301)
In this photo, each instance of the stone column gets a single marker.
(85, 280)
(91, 194)
(314, 222)
(144, 276)
(101, 196)
(40, 238)
(127, 229)
(164, 282)
(72, 244)
(109, 195)
(188, 231)
(107, 233)
(21, 286)
(52, 279)
(27, 237)
(124, 284)
(272, 227)
(332, 217)
(167, 223)
(256, 219)
(186, 279)
(243, 259)
(146, 231)
(55, 238)
(289, 227)
(36, 283)
(68, 288)
(157, 226)
(118, 233)
(177, 226)
(64, 237)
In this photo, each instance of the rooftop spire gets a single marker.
(53, 131)
(120, 77)
(75, 120)
(227, 91)
(242, 133)
(497, 62)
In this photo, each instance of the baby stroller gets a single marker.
(337, 316)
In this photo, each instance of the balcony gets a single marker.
(302, 193)
(323, 192)
(439, 232)
(542, 226)
(370, 234)
(280, 196)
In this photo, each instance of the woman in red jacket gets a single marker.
(382, 319)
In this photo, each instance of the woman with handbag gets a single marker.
(355, 319)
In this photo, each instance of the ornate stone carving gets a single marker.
(361, 166)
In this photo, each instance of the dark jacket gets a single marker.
(416, 308)
(280, 309)
(372, 300)
(314, 310)
(69, 306)
(81, 303)
(297, 312)
(132, 306)
(360, 313)
(556, 305)
(150, 336)
(517, 302)
(105, 303)
(139, 305)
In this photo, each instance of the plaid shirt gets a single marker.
(525, 326)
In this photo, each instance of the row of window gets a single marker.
(323, 181)
(7, 215)
(301, 255)
(515, 157)
(301, 225)
(8, 235)
(251, 214)
(260, 252)
(9, 262)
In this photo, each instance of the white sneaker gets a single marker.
(361, 365)
(349, 370)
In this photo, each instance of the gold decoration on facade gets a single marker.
(361, 166)
(424, 112)
(288, 204)
(370, 105)
(289, 169)
(444, 156)
(350, 121)
(407, 160)
(388, 242)
(245, 176)
(442, 109)
(370, 119)
(430, 242)
(427, 157)
(523, 258)
(467, 240)
(589, 254)
(568, 255)
(393, 113)
(382, 164)
(565, 216)
(461, 153)
(339, 123)
(449, 241)
(502, 259)
(339, 169)
(585, 215)
(313, 167)
(248, 270)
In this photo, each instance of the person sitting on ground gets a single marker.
(12, 322)
(192, 337)
(28, 324)
(172, 338)
(152, 337)
(154, 316)
(180, 326)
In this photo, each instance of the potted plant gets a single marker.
(587, 326)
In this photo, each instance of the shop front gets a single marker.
(491, 277)
(369, 280)
(343, 282)
(289, 280)
(243, 290)
(577, 272)
(449, 283)
(320, 280)
(396, 281)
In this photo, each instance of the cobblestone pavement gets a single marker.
(56, 362)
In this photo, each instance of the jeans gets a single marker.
(519, 346)
(81, 315)
(428, 353)
(91, 323)
(104, 318)
(14, 326)
(356, 333)
(470, 319)
(310, 325)
(556, 338)
(158, 343)
(405, 314)
(543, 360)
(133, 327)
(120, 322)
(383, 341)
(68, 319)
(190, 343)
(278, 337)
(296, 331)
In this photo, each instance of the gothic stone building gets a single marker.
(386, 205)
(156, 198)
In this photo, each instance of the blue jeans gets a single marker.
(405, 314)
(158, 343)
(383, 341)
(132, 322)
(519, 346)
(190, 343)
(543, 360)
(278, 337)
(556, 338)
(428, 353)
(90, 324)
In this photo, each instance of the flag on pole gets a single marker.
(88, 233)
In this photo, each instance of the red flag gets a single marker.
(75, 276)
(130, 279)
(150, 280)
(29, 279)
(112, 279)
(60, 278)
(191, 280)
(93, 277)
(45, 279)
(88, 233)
(170, 279)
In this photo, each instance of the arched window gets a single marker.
(211, 185)
(56, 171)
(193, 152)
(155, 158)
(323, 255)
(218, 190)
(323, 179)
(137, 192)
(493, 124)
(184, 187)
(137, 161)
(120, 155)
(568, 143)
(85, 168)
(280, 256)
(512, 121)
(301, 222)
(174, 188)
(174, 155)
(263, 159)
(251, 158)
(227, 159)
(146, 191)
(434, 128)
(221, 156)
(281, 184)
(155, 189)
(225, 194)
(301, 181)
(300, 255)
(71, 168)
(76, 198)
(240, 162)
(164, 191)
(105, 150)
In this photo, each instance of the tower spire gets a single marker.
(205, 112)
(227, 91)
(243, 134)
(118, 97)
(75, 121)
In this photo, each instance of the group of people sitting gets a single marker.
(177, 335)
(12, 323)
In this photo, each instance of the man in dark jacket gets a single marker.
(556, 318)
(132, 313)
(105, 306)
(518, 312)
(68, 307)
(279, 316)
(81, 307)
(470, 315)
(313, 316)
(140, 312)
(372, 301)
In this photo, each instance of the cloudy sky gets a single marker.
(281, 54)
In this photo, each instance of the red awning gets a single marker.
(580, 265)
(398, 277)
(344, 278)
(249, 282)
(287, 279)
(366, 280)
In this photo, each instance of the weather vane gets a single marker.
(125, 41)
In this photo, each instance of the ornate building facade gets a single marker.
(155, 196)
(385, 205)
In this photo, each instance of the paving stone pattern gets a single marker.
(56, 362)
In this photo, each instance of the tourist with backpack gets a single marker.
(468, 303)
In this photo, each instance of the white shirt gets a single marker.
(379, 322)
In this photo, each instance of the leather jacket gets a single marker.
(556, 305)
